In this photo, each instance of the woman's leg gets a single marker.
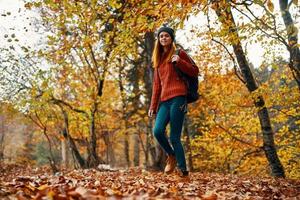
(161, 121)
(177, 113)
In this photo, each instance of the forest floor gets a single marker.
(18, 182)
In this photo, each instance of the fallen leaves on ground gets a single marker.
(136, 183)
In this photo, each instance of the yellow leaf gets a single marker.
(50, 194)
(114, 4)
(295, 2)
(181, 25)
(28, 5)
(43, 187)
(270, 5)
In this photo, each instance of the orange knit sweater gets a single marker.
(166, 82)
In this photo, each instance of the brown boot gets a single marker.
(171, 164)
(183, 173)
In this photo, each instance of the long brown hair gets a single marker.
(158, 52)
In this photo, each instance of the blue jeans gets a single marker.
(173, 111)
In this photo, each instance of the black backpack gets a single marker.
(190, 82)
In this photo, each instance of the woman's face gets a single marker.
(165, 39)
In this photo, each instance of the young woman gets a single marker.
(168, 100)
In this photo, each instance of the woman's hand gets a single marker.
(175, 59)
(150, 113)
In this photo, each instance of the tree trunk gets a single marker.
(2, 136)
(158, 156)
(134, 81)
(126, 149)
(71, 142)
(136, 158)
(223, 11)
(51, 158)
(110, 154)
(148, 76)
(292, 33)
(42, 126)
(148, 145)
(64, 153)
(188, 144)
(93, 159)
(112, 157)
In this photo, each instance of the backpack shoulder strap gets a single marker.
(178, 71)
(191, 60)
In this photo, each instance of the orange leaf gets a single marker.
(211, 197)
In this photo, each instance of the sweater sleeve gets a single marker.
(156, 90)
(186, 65)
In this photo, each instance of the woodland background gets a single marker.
(81, 98)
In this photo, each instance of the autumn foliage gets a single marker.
(80, 101)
